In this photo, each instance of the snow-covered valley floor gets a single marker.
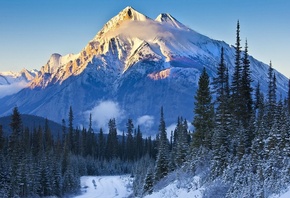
(120, 186)
(105, 186)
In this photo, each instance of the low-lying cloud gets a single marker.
(103, 112)
(170, 129)
(145, 121)
(140, 29)
(6, 90)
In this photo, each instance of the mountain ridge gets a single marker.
(140, 65)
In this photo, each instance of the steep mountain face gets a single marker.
(137, 62)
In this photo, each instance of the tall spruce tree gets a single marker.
(223, 116)
(257, 102)
(15, 152)
(236, 101)
(271, 86)
(162, 162)
(203, 121)
(271, 103)
(246, 97)
(139, 143)
(15, 137)
(246, 109)
(221, 89)
(90, 130)
(101, 141)
(70, 138)
(181, 146)
(130, 140)
(112, 141)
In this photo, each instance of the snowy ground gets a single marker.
(105, 186)
(180, 187)
(172, 191)
(120, 186)
(283, 195)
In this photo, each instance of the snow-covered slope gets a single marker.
(137, 62)
(105, 186)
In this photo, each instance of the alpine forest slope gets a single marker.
(139, 63)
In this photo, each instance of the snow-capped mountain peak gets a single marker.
(56, 60)
(127, 14)
(28, 75)
(53, 63)
(138, 62)
(166, 18)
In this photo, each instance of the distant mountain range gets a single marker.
(8, 78)
(132, 67)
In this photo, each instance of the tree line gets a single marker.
(34, 163)
(240, 138)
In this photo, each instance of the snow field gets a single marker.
(105, 186)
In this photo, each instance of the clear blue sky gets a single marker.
(31, 30)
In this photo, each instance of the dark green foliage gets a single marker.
(101, 141)
(69, 141)
(162, 162)
(236, 86)
(112, 141)
(148, 183)
(33, 163)
(223, 116)
(271, 97)
(130, 147)
(246, 89)
(180, 146)
(203, 120)
(139, 144)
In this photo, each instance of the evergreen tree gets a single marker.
(271, 103)
(245, 137)
(112, 141)
(63, 130)
(236, 87)
(181, 148)
(139, 143)
(70, 140)
(148, 183)
(247, 108)
(219, 84)
(288, 99)
(122, 149)
(221, 88)
(15, 151)
(130, 140)
(271, 86)
(48, 139)
(162, 163)
(90, 130)
(257, 103)
(101, 141)
(203, 121)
